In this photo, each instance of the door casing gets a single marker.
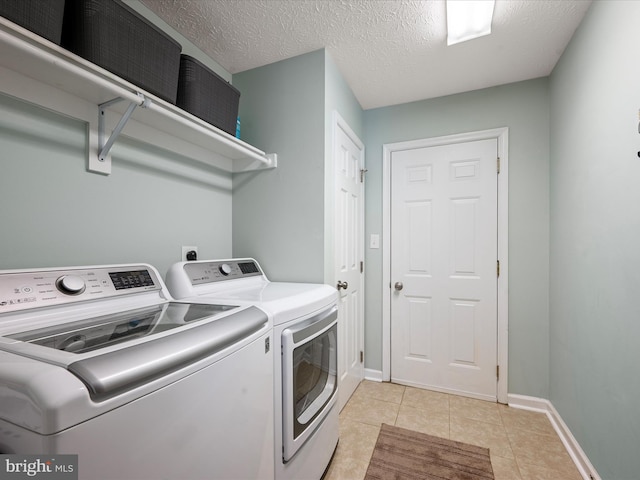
(502, 137)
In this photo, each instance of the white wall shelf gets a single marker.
(40, 72)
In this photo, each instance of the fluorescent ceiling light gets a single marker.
(468, 19)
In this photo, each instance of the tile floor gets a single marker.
(523, 444)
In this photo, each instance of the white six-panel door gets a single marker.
(348, 245)
(443, 268)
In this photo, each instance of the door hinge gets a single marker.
(361, 267)
(361, 356)
(362, 172)
(498, 268)
(498, 372)
(498, 165)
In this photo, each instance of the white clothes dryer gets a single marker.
(304, 316)
(101, 362)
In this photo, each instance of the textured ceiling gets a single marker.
(389, 51)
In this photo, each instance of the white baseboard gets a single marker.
(373, 375)
(576, 453)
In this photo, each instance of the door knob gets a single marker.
(398, 286)
(342, 284)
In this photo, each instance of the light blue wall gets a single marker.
(284, 217)
(595, 232)
(339, 97)
(523, 107)
(278, 215)
(54, 213)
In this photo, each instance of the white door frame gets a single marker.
(502, 137)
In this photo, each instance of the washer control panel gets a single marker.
(33, 289)
(218, 271)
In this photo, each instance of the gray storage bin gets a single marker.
(115, 37)
(42, 17)
(206, 95)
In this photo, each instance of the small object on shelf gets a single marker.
(42, 17)
(116, 38)
(206, 95)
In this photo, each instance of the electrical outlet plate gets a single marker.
(186, 249)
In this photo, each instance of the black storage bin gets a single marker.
(115, 37)
(206, 95)
(42, 17)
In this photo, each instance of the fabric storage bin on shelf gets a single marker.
(206, 95)
(42, 17)
(115, 37)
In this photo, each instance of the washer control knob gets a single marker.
(225, 269)
(70, 284)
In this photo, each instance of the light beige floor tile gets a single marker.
(519, 419)
(385, 391)
(543, 450)
(523, 444)
(505, 468)
(371, 411)
(474, 409)
(483, 434)
(539, 472)
(421, 421)
(433, 402)
(357, 441)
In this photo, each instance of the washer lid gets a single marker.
(114, 353)
(102, 331)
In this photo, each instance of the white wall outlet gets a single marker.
(186, 250)
(374, 241)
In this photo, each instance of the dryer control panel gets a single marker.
(220, 270)
(21, 290)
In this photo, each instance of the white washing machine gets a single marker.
(304, 316)
(101, 362)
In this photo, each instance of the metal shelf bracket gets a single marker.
(102, 162)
